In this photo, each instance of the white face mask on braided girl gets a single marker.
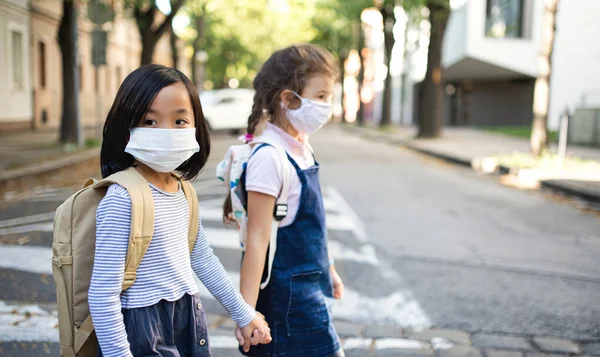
(311, 116)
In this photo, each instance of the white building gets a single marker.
(490, 60)
(16, 98)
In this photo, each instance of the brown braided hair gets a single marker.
(288, 68)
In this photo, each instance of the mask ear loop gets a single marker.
(299, 97)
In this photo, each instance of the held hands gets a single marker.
(256, 332)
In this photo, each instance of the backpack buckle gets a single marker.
(280, 212)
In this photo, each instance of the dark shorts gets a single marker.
(168, 329)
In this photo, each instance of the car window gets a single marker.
(226, 100)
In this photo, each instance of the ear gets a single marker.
(286, 97)
(289, 99)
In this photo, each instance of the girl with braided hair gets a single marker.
(292, 101)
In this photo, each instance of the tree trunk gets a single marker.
(174, 54)
(430, 104)
(198, 45)
(148, 44)
(343, 58)
(70, 129)
(541, 96)
(389, 20)
(151, 34)
(360, 116)
(405, 70)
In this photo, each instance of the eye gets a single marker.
(149, 122)
(181, 122)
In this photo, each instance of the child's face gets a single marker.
(318, 88)
(171, 109)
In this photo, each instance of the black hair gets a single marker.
(133, 100)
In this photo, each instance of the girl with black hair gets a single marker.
(156, 125)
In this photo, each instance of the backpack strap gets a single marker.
(192, 199)
(142, 218)
(280, 210)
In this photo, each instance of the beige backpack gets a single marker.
(74, 246)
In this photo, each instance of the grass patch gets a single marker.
(518, 131)
(91, 142)
(388, 129)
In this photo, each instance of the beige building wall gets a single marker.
(98, 86)
(15, 84)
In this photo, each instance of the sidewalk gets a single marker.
(30, 158)
(480, 150)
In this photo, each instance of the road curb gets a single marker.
(557, 186)
(20, 177)
(477, 164)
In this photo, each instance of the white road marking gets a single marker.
(400, 343)
(396, 308)
(39, 259)
(334, 222)
(220, 341)
(28, 334)
(228, 239)
(29, 258)
(357, 343)
(366, 254)
(346, 210)
(439, 343)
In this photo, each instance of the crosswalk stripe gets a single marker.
(397, 308)
(31, 259)
(39, 258)
(228, 239)
(210, 210)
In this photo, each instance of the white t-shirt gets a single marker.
(264, 173)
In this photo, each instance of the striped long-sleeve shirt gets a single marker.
(164, 273)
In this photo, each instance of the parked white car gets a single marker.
(227, 109)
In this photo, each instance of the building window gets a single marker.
(42, 63)
(17, 57)
(504, 18)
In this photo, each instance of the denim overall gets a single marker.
(294, 300)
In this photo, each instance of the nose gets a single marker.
(167, 124)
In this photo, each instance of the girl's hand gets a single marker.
(256, 332)
(338, 285)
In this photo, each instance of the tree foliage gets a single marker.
(239, 35)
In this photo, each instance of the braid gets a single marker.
(256, 115)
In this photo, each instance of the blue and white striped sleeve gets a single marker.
(213, 275)
(112, 237)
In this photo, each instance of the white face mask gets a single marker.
(309, 117)
(162, 150)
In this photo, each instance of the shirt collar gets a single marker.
(278, 135)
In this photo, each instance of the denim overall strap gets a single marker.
(294, 301)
